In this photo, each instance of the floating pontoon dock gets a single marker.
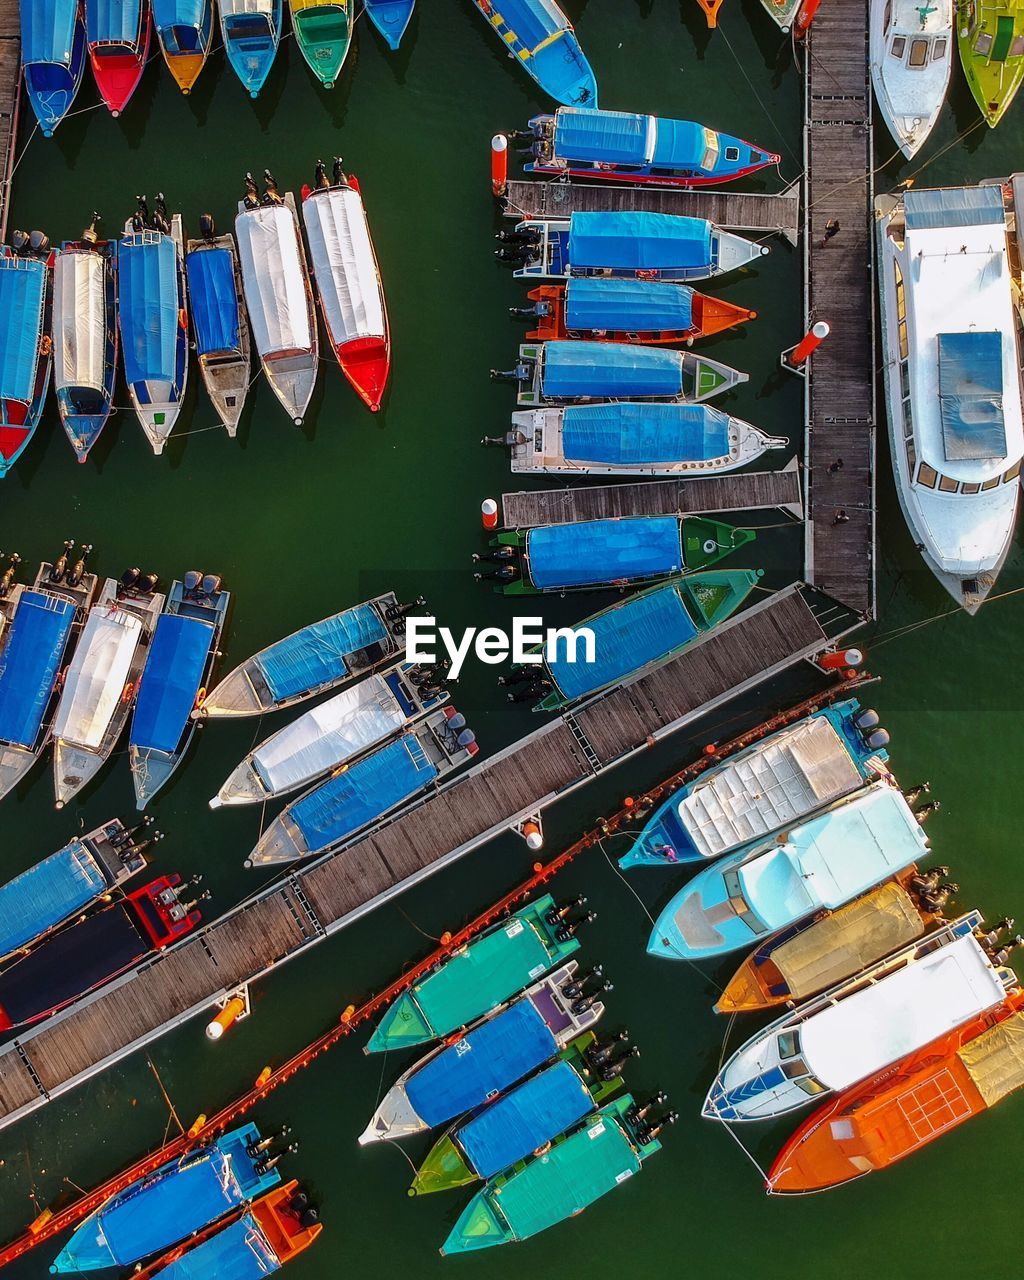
(10, 84)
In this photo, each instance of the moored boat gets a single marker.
(178, 666)
(783, 11)
(184, 29)
(540, 38)
(52, 57)
(26, 292)
(348, 281)
(359, 794)
(251, 31)
(117, 36)
(323, 32)
(220, 321)
(710, 10)
(391, 18)
(990, 36)
(911, 52)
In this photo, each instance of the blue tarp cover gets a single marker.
(680, 144)
(640, 306)
(362, 792)
(22, 290)
(638, 241)
(317, 654)
(147, 271)
(490, 1058)
(48, 30)
(971, 396)
(211, 288)
(609, 369)
(179, 13)
(239, 1252)
(954, 207)
(644, 434)
(534, 1113)
(626, 638)
(48, 893)
(611, 137)
(533, 21)
(171, 679)
(29, 664)
(116, 20)
(592, 551)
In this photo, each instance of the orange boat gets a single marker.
(874, 1124)
(711, 8)
(561, 314)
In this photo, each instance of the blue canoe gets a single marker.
(539, 36)
(251, 31)
(25, 290)
(391, 18)
(53, 50)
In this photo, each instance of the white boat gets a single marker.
(952, 379)
(911, 52)
(280, 301)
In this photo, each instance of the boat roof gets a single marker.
(233, 8)
(533, 21)
(170, 681)
(179, 13)
(97, 674)
(48, 893)
(595, 551)
(29, 663)
(971, 395)
(904, 1011)
(317, 654)
(116, 21)
(239, 1251)
(995, 1059)
(274, 279)
(574, 368)
(147, 289)
(22, 292)
(633, 434)
(644, 305)
(48, 31)
(80, 321)
(211, 291)
(620, 137)
(945, 207)
(638, 241)
(344, 264)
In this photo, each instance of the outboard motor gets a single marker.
(91, 235)
(565, 931)
(60, 566)
(505, 573)
(211, 584)
(641, 1110)
(129, 581)
(648, 1132)
(19, 243)
(127, 835)
(264, 1165)
(138, 223)
(251, 199)
(144, 846)
(257, 1148)
(7, 580)
(192, 581)
(273, 196)
(529, 313)
(320, 179)
(142, 210)
(207, 226)
(597, 1055)
(78, 568)
(520, 135)
(916, 792)
(427, 673)
(147, 584)
(161, 218)
(394, 611)
(575, 988)
(466, 740)
(926, 810)
(529, 692)
(613, 1070)
(497, 555)
(39, 244)
(519, 675)
(519, 374)
(584, 1003)
(429, 691)
(866, 720)
(558, 914)
(877, 739)
(516, 254)
(338, 173)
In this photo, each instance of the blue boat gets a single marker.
(391, 18)
(822, 863)
(181, 657)
(26, 288)
(53, 51)
(251, 31)
(157, 1211)
(764, 788)
(538, 35)
(184, 29)
(619, 146)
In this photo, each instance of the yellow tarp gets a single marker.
(995, 1059)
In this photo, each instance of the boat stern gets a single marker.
(73, 767)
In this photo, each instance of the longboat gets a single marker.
(783, 11)
(117, 37)
(494, 1054)
(356, 795)
(323, 32)
(251, 31)
(26, 293)
(180, 662)
(391, 18)
(911, 56)
(822, 863)
(53, 57)
(538, 36)
(220, 321)
(990, 37)
(184, 29)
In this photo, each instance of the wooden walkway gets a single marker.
(10, 82)
(753, 490)
(733, 210)
(839, 277)
(311, 904)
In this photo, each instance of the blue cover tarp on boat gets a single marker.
(533, 21)
(48, 30)
(487, 1060)
(513, 1126)
(317, 654)
(116, 20)
(239, 1252)
(362, 792)
(638, 241)
(641, 434)
(179, 13)
(625, 639)
(29, 664)
(954, 207)
(147, 271)
(609, 369)
(48, 893)
(592, 551)
(611, 137)
(679, 145)
(171, 679)
(641, 306)
(22, 290)
(971, 395)
(211, 288)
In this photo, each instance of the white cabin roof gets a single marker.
(344, 264)
(274, 279)
(97, 675)
(79, 320)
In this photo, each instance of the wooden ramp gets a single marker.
(308, 905)
(10, 80)
(734, 210)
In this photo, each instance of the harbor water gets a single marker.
(303, 521)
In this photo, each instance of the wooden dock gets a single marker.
(839, 288)
(308, 905)
(10, 85)
(734, 210)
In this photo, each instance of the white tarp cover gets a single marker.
(229, 8)
(96, 676)
(328, 735)
(79, 320)
(274, 279)
(344, 266)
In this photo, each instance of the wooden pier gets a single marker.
(10, 84)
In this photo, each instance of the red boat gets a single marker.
(117, 32)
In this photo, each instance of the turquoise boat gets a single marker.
(391, 18)
(476, 979)
(578, 1170)
(251, 31)
(540, 38)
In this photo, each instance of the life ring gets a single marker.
(200, 697)
(646, 273)
(129, 691)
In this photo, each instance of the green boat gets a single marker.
(589, 554)
(990, 34)
(579, 1169)
(476, 979)
(323, 31)
(640, 632)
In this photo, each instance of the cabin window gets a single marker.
(811, 1086)
(969, 488)
(918, 53)
(795, 1069)
(789, 1044)
(991, 484)
(1012, 474)
(983, 44)
(732, 153)
(927, 476)
(899, 46)
(939, 49)
(1017, 47)
(947, 486)
(911, 455)
(887, 16)
(908, 419)
(739, 904)
(904, 378)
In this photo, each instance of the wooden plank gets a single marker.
(17, 1088)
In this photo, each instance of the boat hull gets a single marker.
(52, 87)
(118, 73)
(185, 64)
(251, 59)
(324, 35)
(391, 18)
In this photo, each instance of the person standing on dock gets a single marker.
(832, 229)
(840, 517)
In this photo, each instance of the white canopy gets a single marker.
(97, 676)
(274, 279)
(79, 320)
(229, 8)
(344, 265)
(328, 735)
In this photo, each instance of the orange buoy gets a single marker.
(37, 1224)
(263, 1077)
(446, 937)
(533, 835)
(234, 1008)
(710, 749)
(805, 17)
(810, 342)
(347, 1012)
(837, 661)
(499, 164)
(489, 513)
(197, 1125)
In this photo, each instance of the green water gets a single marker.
(302, 522)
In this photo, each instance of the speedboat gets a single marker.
(952, 379)
(184, 29)
(26, 292)
(117, 35)
(911, 61)
(391, 18)
(220, 321)
(538, 36)
(990, 36)
(323, 32)
(251, 31)
(52, 57)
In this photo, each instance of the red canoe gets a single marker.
(118, 34)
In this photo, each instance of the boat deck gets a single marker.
(10, 82)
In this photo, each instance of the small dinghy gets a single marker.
(323, 32)
(783, 11)
(251, 31)
(990, 37)
(540, 38)
(184, 29)
(26, 294)
(220, 321)
(52, 57)
(102, 680)
(348, 281)
(911, 51)
(278, 295)
(391, 18)
(360, 794)
(117, 36)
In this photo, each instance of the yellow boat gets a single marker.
(185, 31)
